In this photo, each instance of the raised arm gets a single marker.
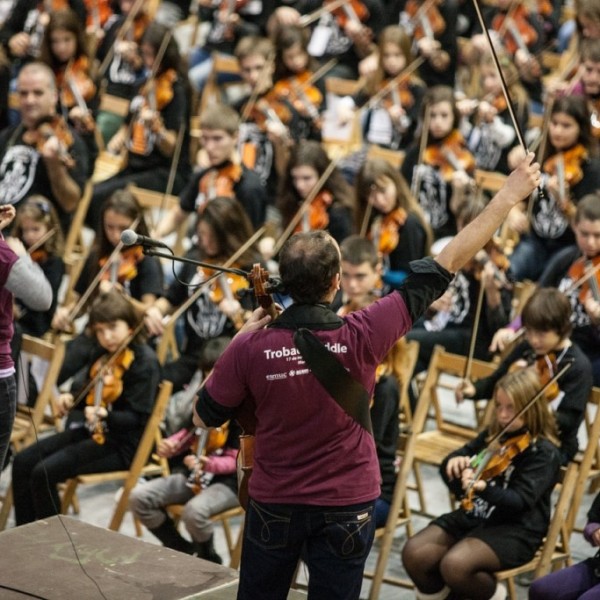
(519, 184)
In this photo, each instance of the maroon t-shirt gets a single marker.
(7, 259)
(308, 449)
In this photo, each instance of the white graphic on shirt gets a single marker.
(17, 173)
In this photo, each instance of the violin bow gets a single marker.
(41, 241)
(256, 91)
(313, 16)
(404, 74)
(579, 282)
(305, 205)
(469, 363)
(416, 180)
(135, 9)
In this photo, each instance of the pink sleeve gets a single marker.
(224, 464)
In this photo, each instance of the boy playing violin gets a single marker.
(222, 175)
(99, 436)
(546, 320)
(503, 525)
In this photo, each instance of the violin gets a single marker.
(352, 10)
(429, 21)
(386, 230)
(39, 256)
(546, 367)
(219, 182)
(205, 443)
(155, 94)
(304, 97)
(582, 267)
(268, 109)
(225, 286)
(109, 387)
(125, 266)
(397, 95)
(259, 278)
(75, 74)
(521, 34)
(53, 126)
(572, 161)
(98, 12)
(491, 463)
(449, 155)
(317, 215)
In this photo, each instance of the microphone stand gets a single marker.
(149, 251)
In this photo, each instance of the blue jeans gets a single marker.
(334, 542)
(8, 406)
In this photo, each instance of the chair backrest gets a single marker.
(142, 454)
(27, 422)
(590, 459)
(394, 157)
(559, 532)
(444, 364)
(489, 180)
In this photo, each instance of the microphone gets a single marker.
(130, 238)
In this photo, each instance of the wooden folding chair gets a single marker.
(489, 181)
(394, 157)
(589, 459)
(555, 549)
(449, 432)
(234, 545)
(30, 421)
(214, 92)
(142, 465)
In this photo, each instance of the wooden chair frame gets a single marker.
(555, 549)
(29, 421)
(141, 466)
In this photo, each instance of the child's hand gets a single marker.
(61, 320)
(465, 389)
(166, 448)
(456, 465)
(64, 403)
(93, 413)
(467, 480)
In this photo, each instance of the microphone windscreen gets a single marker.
(129, 237)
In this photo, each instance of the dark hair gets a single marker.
(307, 264)
(231, 227)
(590, 49)
(123, 202)
(357, 250)
(154, 36)
(310, 153)
(576, 107)
(548, 310)
(66, 20)
(286, 38)
(370, 174)
(588, 208)
(441, 93)
(114, 306)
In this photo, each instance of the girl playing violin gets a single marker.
(390, 122)
(395, 222)
(35, 222)
(156, 116)
(489, 131)
(567, 270)
(64, 51)
(222, 228)
(138, 276)
(459, 552)
(446, 168)
(569, 171)
(546, 319)
(132, 377)
(294, 87)
(332, 207)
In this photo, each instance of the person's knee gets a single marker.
(196, 518)
(454, 569)
(412, 556)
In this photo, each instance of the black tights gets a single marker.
(433, 559)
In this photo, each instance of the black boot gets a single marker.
(206, 550)
(171, 538)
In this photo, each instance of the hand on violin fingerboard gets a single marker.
(467, 479)
(592, 308)
(92, 413)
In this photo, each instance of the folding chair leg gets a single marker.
(6, 506)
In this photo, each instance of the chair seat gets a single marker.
(433, 446)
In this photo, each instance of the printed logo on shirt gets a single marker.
(17, 173)
(285, 352)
